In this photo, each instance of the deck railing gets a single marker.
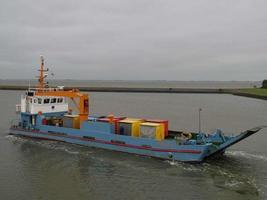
(50, 89)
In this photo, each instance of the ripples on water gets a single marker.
(247, 155)
(35, 169)
(225, 173)
(225, 177)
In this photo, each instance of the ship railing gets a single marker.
(50, 89)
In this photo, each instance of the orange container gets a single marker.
(161, 121)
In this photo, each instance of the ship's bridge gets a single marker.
(33, 104)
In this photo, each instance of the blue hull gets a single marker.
(164, 150)
(167, 149)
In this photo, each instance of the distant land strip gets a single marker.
(238, 92)
(130, 89)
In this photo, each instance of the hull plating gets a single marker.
(162, 150)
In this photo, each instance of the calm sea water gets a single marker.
(34, 169)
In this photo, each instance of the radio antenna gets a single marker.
(199, 120)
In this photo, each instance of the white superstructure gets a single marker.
(32, 104)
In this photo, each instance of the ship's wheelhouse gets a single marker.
(32, 104)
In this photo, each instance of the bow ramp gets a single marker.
(231, 140)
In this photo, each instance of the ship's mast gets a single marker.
(42, 75)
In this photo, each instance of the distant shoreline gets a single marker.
(139, 84)
(130, 89)
(238, 92)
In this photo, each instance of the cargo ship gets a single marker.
(45, 113)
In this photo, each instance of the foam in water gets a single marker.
(222, 176)
(184, 166)
(47, 144)
(247, 155)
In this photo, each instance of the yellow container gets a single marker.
(130, 127)
(152, 130)
(71, 121)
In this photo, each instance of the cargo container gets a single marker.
(130, 127)
(108, 119)
(71, 121)
(135, 119)
(99, 127)
(152, 130)
(162, 121)
(114, 120)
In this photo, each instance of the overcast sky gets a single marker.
(135, 39)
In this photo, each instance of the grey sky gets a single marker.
(135, 39)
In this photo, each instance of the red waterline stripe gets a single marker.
(112, 143)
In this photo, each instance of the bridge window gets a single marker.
(46, 101)
(30, 94)
(60, 100)
(54, 100)
(39, 101)
(34, 100)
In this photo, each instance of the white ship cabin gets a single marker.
(32, 104)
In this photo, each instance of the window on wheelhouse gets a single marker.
(30, 93)
(46, 101)
(60, 100)
(40, 100)
(54, 100)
